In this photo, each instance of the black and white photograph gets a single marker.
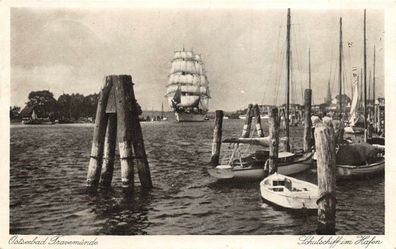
(141, 121)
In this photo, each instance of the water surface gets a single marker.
(47, 189)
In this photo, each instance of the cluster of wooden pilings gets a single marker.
(325, 139)
(117, 115)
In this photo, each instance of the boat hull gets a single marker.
(189, 117)
(34, 122)
(257, 173)
(291, 200)
(349, 171)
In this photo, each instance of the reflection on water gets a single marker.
(47, 189)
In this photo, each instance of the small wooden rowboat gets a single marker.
(251, 167)
(288, 192)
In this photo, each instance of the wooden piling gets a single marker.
(124, 129)
(307, 120)
(95, 162)
(109, 150)
(248, 122)
(274, 140)
(259, 128)
(340, 133)
(138, 141)
(326, 170)
(217, 133)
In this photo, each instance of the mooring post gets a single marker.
(124, 129)
(95, 162)
(259, 128)
(274, 138)
(307, 120)
(326, 169)
(137, 140)
(248, 122)
(217, 133)
(109, 150)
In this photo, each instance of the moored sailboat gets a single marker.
(367, 159)
(251, 166)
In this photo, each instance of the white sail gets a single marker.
(177, 55)
(355, 98)
(184, 55)
(185, 66)
(204, 103)
(197, 57)
(184, 79)
(191, 89)
(189, 101)
(203, 90)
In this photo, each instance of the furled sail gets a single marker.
(354, 117)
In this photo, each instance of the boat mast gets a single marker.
(365, 74)
(288, 80)
(309, 67)
(340, 69)
(162, 109)
(375, 116)
(374, 78)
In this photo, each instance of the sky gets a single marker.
(68, 50)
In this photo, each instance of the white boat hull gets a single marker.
(249, 173)
(189, 117)
(348, 171)
(291, 200)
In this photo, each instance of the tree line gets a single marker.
(68, 107)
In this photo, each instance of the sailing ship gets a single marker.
(251, 166)
(188, 87)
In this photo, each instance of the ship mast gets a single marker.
(288, 80)
(340, 70)
(309, 67)
(365, 74)
(375, 116)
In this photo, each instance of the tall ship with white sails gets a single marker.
(188, 87)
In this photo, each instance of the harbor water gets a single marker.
(48, 167)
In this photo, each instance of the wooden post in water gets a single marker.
(137, 140)
(307, 120)
(95, 162)
(274, 138)
(326, 169)
(217, 133)
(118, 111)
(248, 122)
(259, 128)
(124, 129)
(109, 150)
